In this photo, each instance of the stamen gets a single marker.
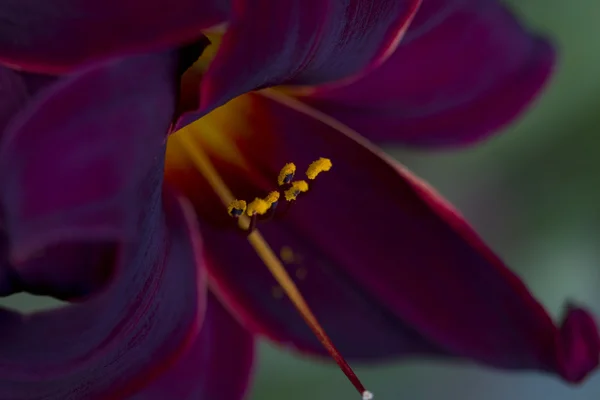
(287, 174)
(272, 197)
(273, 200)
(318, 166)
(258, 206)
(236, 208)
(297, 187)
(266, 254)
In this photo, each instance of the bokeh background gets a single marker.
(534, 194)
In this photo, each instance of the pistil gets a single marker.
(262, 248)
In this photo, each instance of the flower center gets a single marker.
(247, 215)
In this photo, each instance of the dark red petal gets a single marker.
(464, 69)
(389, 268)
(217, 366)
(117, 342)
(58, 36)
(71, 163)
(302, 41)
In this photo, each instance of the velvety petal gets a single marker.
(57, 271)
(6, 273)
(464, 69)
(13, 95)
(388, 267)
(117, 342)
(303, 41)
(58, 36)
(217, 366)
(71, 163)
(16, 88)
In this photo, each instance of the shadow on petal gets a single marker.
(115, 343)
(305, 42)
(57, 37)
(464, 69)
(72, 161)
(217, 366)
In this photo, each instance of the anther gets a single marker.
(297, 187)
(258, 206)
(272, 197)
(236, 208)
(318, 166)
(286, 174)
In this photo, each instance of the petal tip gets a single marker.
(579, 345)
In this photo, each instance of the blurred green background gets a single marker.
(534, 195)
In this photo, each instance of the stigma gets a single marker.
(366, 395)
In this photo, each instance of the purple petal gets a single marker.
(114, 344)
(304, 42)
(464, 69)
(58, 36)
(389, 268)
(16, 88)
(7, 285)
(13, 95)
(58, 271)
(71, 163)
(217, 366)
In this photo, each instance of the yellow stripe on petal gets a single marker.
(210, 52)
(218, 133)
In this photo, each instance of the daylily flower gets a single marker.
(382, 265)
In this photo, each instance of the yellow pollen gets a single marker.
(272, 197)
(287, 174)
(318, 166)
(236, 208)
(258, 206)
(297, 187)
(287, 254)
